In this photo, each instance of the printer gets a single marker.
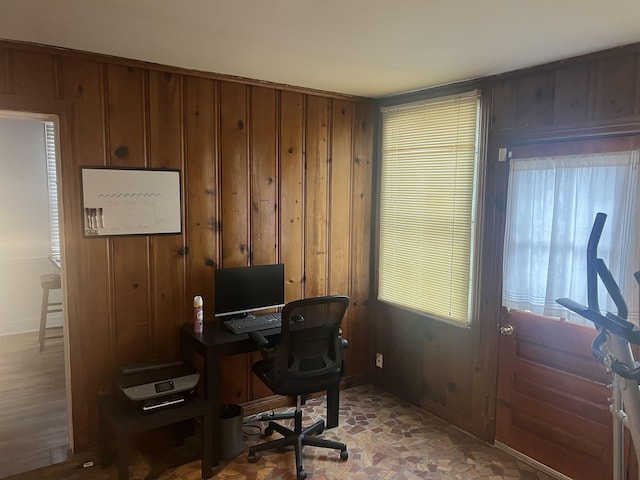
(154, 386)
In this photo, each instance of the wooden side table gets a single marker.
(123, 423)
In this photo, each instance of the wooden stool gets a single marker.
(50, 281)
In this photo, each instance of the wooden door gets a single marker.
(552, 396)
(552, 399)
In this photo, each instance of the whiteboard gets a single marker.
(130, 201)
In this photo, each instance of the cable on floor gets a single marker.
(251, 427)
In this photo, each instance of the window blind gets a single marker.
(52, 186)
(428, 184)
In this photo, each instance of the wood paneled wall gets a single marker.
(269, 174)
(580, 97)
(449, 370)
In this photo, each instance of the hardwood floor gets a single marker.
(33, 404)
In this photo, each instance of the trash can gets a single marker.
(230, 431)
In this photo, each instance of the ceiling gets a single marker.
(369, 48)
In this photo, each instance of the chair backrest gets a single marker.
(310, 343)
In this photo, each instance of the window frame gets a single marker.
(558, 147)
(478, 207)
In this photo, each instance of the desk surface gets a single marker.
(215, 334)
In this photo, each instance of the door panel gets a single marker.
(552, 396)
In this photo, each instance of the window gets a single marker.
(551, 205)
(427, 206)
(52, 187)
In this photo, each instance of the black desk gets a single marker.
(215, 343)
(123, 423)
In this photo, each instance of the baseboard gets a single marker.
(29, 325)
(265, 404)
(530, 461)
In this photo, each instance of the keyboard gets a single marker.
(255, 323)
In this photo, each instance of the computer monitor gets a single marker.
(241, 290)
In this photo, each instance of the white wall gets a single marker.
(24, 225)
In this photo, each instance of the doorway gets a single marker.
(34, 418)
(552, 401)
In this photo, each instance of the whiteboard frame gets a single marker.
(130, 201)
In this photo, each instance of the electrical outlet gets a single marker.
(379, 360)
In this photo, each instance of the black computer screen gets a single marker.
(245, 289)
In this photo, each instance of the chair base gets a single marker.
(298, 438)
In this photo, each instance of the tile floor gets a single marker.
(387, 438)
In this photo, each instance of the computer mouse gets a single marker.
(297, 318)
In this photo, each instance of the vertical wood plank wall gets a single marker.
(449, 370)
(269, 174)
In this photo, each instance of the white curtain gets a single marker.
(552, 203)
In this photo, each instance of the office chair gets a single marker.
(308, 359)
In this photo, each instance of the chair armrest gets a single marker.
(264, 347)
(344, 343)
(258, 339)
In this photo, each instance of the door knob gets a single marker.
(505, 329)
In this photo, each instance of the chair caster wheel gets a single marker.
(268, 432)
(251, 458)
(344, 455)
(302, 475)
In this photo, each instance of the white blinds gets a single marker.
(428, 174)
(52, 185)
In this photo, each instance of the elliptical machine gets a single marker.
(612, 347)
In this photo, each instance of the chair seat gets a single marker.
(294, 385)
(50, 281)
